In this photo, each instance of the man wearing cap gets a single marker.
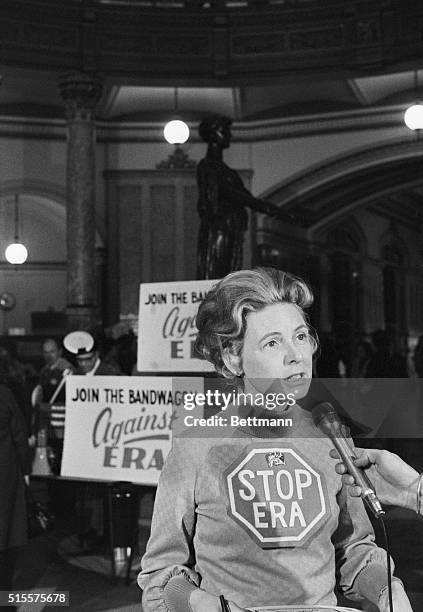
(82, 345)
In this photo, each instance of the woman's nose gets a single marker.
(293, 354)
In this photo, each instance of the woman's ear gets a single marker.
(232, 362)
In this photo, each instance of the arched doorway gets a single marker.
(369, 190)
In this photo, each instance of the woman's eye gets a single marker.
(302, 337)
(271, 344)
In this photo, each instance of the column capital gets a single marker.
(81, 93)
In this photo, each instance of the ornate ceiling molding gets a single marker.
(207, 41)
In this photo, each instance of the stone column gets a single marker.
(81, 93)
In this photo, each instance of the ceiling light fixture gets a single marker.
(176, 131)
(16, 253)
(413, 116)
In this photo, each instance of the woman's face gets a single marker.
(277, 346)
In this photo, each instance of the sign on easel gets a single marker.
(119, 427)
(167, 328)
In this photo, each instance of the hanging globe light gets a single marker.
(176, 131)
(413, 117)
(16, 253)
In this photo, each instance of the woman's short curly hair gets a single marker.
(221, 317)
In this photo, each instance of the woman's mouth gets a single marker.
(296, 376)
(297, 380)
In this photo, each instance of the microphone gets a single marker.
(327, 420)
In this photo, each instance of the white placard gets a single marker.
(167, 328)
(119, 427)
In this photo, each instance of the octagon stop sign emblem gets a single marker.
(276, 496)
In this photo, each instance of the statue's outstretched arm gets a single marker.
(240, 196)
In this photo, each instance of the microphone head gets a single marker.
(321, 411)
(326, 419)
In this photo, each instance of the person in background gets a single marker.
(396, 482)
(418, 357)
(13, 374)
(363, 354)
(386, 361)
(51, 387)
(82, 346)
(123, 352)
(51, 375)
(328, 362)
(14, 469)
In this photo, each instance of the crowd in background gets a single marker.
(30, 386)
(378, 355)
(374, 356)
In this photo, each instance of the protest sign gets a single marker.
(119, 427)
(167, 328)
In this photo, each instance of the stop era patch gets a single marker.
(276, 496)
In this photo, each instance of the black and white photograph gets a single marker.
(211, 305)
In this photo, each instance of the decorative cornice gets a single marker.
(253, 131)
(32, 127)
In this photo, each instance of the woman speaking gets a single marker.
(257, 518)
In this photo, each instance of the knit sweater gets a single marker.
(261, 516)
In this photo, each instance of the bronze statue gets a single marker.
(222, 203)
